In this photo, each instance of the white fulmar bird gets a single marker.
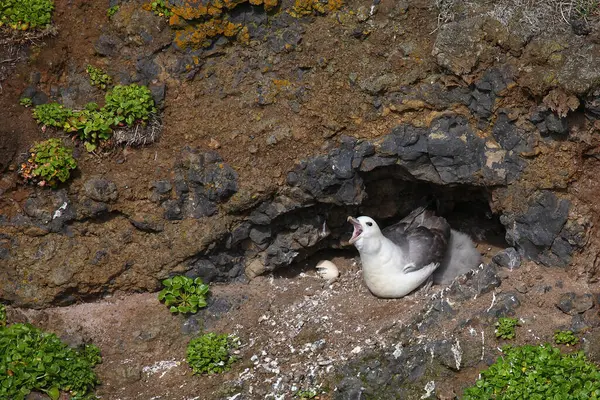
(403, 256)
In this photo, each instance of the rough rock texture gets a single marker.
(358, 111)
(408, 370)
(475, 109)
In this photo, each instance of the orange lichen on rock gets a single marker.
(197, 23)
(200, 35)
(243, 35)
(188, 12)
(281, 83)
(308, 7)
(334, 5)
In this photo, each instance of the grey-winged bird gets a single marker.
(403, 256)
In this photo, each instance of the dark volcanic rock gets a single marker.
(158, 94)
(221, 267)
(507, 258)
(147, 70)
(100, 189)
(572, 304)
(260, 234)
(509, 136)
(506, 303)
(202, 182)
(485, 92)
(535, 231)
(454, 149)
(318, 177)
(556, 124)
(479, 281)
(161, 191)
(592, 103)
(51, 213)
(88, 208)
(147, 222)
(398, 376)
(173, 210)
(37, 96)
(108, 45)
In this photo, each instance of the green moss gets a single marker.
(211, 353)
(36, 360)
(537, 373)
(505, 327)
(26, 14)
(565, 337)
(49, 163)
(98, 77)
(125, 105)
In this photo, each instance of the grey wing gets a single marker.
(425, 247)
(422, 236)
(397, 232)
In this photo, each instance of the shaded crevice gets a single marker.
(271, 241)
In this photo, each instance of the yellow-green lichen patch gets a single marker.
(200, 35)
(309, 7)
(198, 23)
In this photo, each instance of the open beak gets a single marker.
(357, 229)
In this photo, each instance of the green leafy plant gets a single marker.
(50, 163)
(26, 14)
(98, 77)
(505, 327)
(91, 353)
(25, 102)
(91, 125)
(565, 337)
(36, 360)
(212, 353)
(183, 294)
(112, 11)
(125, 105)
(52, 114)
(2, 315)
(129, 104)
(160, 8)
(537, 373)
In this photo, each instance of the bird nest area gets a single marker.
(139, 135)
(465, 207)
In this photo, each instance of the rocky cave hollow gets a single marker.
(294, 240)
(391, 195)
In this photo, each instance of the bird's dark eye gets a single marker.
(369, 223)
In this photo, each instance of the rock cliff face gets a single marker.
(279, 121)
(508, 117)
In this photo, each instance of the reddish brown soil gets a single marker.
(278, 319)
(135, 332)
